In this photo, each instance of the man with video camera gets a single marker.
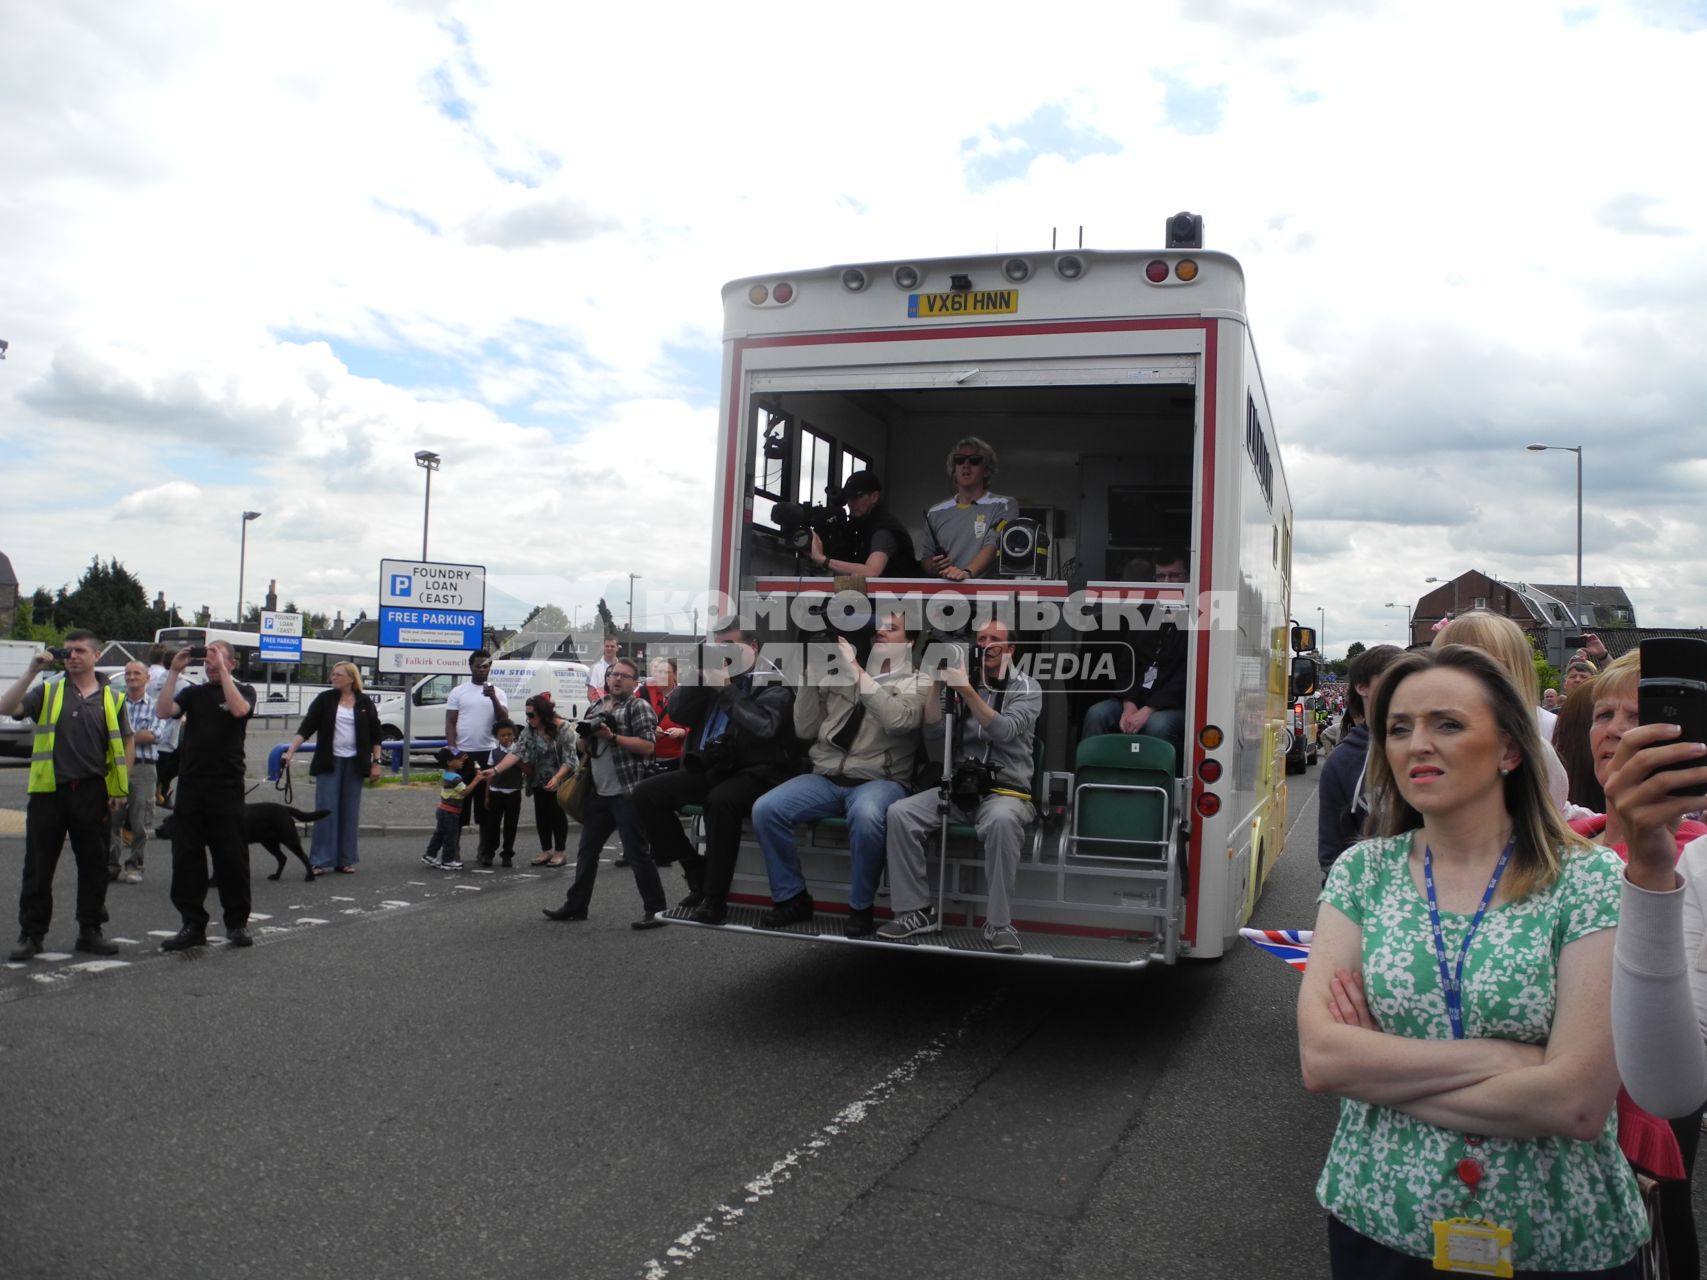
(863, 725)
(878, 545)
(995, 723)
(739, 745)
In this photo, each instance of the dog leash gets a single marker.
(282, 783)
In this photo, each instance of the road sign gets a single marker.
(281, 637)
(431, 615)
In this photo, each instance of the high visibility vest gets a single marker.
(41, 753)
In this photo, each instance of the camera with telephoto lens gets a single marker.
(799, 521)
(971, 782)
(589, 724)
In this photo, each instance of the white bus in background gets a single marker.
(294, 684)
(1123, 393)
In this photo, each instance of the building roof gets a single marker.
(1621, 640)
(1599, 601)
(7, 577)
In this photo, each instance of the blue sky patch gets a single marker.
(1189, 109)
(1006, 151)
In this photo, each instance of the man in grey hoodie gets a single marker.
(999, 705)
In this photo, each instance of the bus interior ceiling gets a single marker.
(1109, 467)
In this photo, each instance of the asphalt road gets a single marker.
(416, 1075)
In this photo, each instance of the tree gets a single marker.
(25, 627)
(1356, 647)
(607, 622)
(110, 601)
(545, 617)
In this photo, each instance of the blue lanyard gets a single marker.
(1453, 984)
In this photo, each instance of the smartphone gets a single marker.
(1673, 690)
(59, 653)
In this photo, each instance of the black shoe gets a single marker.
(239, 937)
(861, 923)
(508, 860)
(648, 921)
(187, 937)
(621, 860)
(28, 948)
(483, 860)
(89, 939)
(710, 911)
(691, 901)
(789, 911)
(562, 913)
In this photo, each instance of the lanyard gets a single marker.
(1453, 984)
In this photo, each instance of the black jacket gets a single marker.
(1338, 824)
(1118, 658)
(761, 723)
(320, 722)
(903, 563)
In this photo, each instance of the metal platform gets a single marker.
(1126, 952)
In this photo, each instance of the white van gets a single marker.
(15, 659)
(517, 680)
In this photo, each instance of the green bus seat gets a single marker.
(1122, 798)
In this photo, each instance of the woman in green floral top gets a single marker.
(1457, 1000)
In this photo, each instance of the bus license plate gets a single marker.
(964, 302)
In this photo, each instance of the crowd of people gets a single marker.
(1507, 986)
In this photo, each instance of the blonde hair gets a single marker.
(1501, 639)
(349, 669)
(978, 446)
(1542, 839)
(1619, 680)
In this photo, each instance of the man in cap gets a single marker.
(881, 545)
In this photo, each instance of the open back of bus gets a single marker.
(1122, 393)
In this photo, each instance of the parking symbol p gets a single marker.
(401, 583)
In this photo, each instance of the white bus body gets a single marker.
(1129, 416)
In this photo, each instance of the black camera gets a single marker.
(589, 724)
(1673, 690)
(799, 521)
(198, 653)
(61, 654)
(971, 782)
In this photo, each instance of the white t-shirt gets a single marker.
(475, 715)
(344, 734)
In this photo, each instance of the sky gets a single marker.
(254, 259)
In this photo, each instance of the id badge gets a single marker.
(1472, 1246)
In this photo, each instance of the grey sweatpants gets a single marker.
(138, 815)
(912, 827)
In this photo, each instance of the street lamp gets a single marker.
(631, 578)
(428, 461)
(1454, 592)
(242, 560)
(1407, 608)
(1578, 450)
(1321, 630)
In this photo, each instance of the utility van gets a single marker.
(15, 659)
(517, 680)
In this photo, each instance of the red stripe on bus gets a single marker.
(1205, 561)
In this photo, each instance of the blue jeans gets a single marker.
(813, 796)
(1104, 717)
(340, 791)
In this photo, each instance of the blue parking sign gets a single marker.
(400, 584)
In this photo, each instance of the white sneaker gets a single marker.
(1003, 938)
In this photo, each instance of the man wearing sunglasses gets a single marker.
(965, 530)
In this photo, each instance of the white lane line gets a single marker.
(311, 920)
(472, 888)
(392, 902)
(337, 898)
(96, 966)
(162, 933)
(58, 955)
(256, 915)
(687, 1246)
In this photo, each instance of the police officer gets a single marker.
(882, 547)
(78, 775)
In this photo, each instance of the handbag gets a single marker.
(572, 793)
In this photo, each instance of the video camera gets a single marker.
(799, 521)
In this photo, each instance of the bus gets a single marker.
(1123, 393)
(306, 677)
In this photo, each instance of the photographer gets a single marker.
(739, 746)
(992, 765)
(617, 735)
(879, 544)
(864, 735)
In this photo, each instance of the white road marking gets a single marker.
(394, 903)
(311, 920)
(127, 942)
(58, 955)
(337, 898)
(256, 915)
(162, 933)
(472, 888)
(96, 966)
(687, 1246)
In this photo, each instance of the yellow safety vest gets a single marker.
(41, 753)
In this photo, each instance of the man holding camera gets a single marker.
(881, 545)
(864, 733)
(740, 745)
(966, 530)
(617, 735)
(996, 721)
(78, 775)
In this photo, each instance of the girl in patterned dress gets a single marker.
(1457, 998)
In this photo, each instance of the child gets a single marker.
(503, 802)
(447, 835)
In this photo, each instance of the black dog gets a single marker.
(268, 825)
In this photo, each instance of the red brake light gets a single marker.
(1210, 771)
(1209, 804)
(1156, 272)
(784, 292)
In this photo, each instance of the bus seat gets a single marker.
(1122, 798)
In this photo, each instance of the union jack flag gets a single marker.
(1291, 945)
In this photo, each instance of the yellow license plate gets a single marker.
(963, 302)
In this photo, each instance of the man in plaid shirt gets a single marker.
(619, 743)
(137, 816)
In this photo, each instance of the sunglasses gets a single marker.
(964, 459)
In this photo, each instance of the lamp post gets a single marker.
(1391, 604)
(1321, 630)
(1578, 450)
(242, 560)
(428, 461)
(631, 578)
(1454, 592)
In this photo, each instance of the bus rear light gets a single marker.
(1156, 272)
(1210, 771)
(1209, 804)
(1017, 270)
(1185, 269)
(906, 277)
(1210, 737)
(758, 295)
(1069, 266)
(784, 292)
(853, 280)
